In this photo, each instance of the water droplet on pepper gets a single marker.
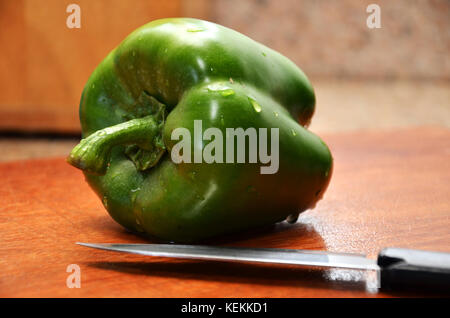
(227, 92)
(105, 201)
(292, 218)
(255, 105)
(195, 29)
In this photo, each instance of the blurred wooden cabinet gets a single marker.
(44, 64)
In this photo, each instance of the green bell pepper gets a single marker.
(167, 74)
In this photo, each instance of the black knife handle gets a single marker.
(405, 269)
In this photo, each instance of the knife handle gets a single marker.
(402, 269)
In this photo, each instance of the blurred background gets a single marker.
(391, 77)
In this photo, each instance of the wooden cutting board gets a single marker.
(388, 189)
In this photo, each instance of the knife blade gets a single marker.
(397, 268)
(244, 254)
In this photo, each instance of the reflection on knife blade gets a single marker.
(244, 254)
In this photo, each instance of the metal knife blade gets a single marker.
(244, 254)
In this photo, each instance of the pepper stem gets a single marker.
(92, 154)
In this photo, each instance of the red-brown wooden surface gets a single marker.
(44, 65)
(388, 189)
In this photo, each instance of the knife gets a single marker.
(397, 268)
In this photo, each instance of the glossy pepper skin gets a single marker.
(167, 74)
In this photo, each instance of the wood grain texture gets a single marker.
(388, 189)
(44, 65)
